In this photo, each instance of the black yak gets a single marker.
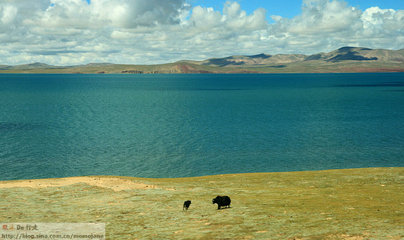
(186, 205)
(222, 201)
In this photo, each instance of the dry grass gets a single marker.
(334, 204)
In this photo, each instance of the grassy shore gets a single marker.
(334, 204)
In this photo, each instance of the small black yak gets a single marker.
(222, 201)
(186, 205)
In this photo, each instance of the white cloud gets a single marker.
(376, 20)
(325, 25)
(238, 19)
(324, 16)
(154, 31)
(133, 13)
(205, 19)
(8, 15)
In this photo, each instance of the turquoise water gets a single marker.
(193, 125)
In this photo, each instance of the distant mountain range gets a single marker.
(345, 59)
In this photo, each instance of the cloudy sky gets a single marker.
(70, 32)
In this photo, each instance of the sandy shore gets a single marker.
(114, 183)
(334, 204)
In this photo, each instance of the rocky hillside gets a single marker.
(341, 55)
(359, 54)
(345, 59)
(255, 60)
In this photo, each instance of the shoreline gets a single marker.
(90, 178)
(355, 204)
(400, 70)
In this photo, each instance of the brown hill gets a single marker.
(345, 59)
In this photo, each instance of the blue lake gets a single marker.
(56, 125)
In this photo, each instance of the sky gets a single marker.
(291, 8)
(72, 32)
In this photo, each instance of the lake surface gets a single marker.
(193, 125)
